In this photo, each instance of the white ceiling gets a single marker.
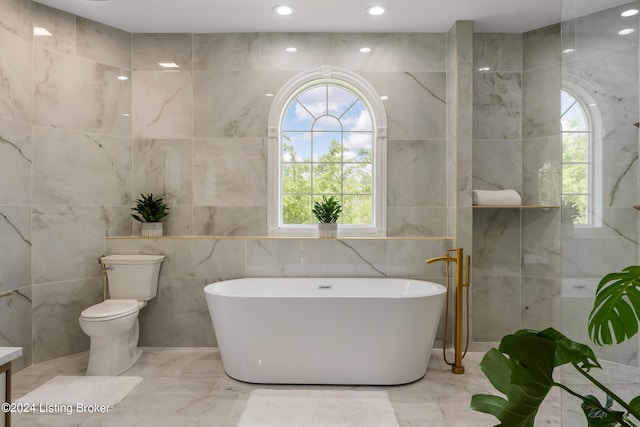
(215, 16)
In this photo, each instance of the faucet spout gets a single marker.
(440, 258)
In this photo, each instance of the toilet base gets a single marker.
(112, 355)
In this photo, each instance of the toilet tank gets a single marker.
(133, 276)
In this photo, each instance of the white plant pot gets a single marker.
(328, 230)
(151, 229)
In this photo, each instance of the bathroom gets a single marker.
(83, 144)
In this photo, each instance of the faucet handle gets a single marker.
(468, 276)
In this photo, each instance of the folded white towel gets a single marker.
(496, 198)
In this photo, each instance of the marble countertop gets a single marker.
(7, 354)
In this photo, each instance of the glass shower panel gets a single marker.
(599, 49)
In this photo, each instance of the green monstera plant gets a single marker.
(522, 367)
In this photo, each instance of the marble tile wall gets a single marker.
(82, 170)
(16, 157)
(497, 165)
(540, 253)
(74, 171)
(516, 129)
(66, 171)
(459, 140)
(200, 130)
(604, 66)
(196, 134)
(178, 316)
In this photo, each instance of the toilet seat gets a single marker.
(110, 309)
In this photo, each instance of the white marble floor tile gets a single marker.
(188, 387)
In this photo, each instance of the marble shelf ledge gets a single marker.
(274, 238)
(7, 354)
(516, 207)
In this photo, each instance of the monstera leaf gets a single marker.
(596, 417)
(522, 369)
(525, 377)
(567, 351)
(616, 308)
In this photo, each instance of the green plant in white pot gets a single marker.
(150, 210)
(327, 211)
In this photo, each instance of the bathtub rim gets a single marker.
(435, 289)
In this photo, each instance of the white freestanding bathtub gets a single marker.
(325, 330)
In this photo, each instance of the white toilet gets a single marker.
(112, 325)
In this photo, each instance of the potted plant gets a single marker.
(327, 211)
(522, 367)
(149, 211)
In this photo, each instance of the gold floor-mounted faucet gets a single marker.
(456, 366)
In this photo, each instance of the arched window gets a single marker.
(327, 137)
(581, 179)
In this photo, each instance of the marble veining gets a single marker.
(540, 102)
(373, 267)
(231, 220)
(148, 50)
(237, 100)
(164, 166)
(16, 17)
(188, 387)
(15, 247)
(416, 186)
(62, 301)
(62, 157)
(416, 221)
(60, 24)
(497, 105)
(164, 104)
(17, 231)
(414, 78)
(498, 52)
(16, 324)
(620, 177)
(497, 164)
(15, 162)
(237, 51)
(14, 146)
(103, 43)
(16, 96)
(94, 99)
(415, 108)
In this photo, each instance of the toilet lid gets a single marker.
(110, 309)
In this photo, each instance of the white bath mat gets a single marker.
(86, 391)
(318, 408)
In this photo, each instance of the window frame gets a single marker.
(346, 79)
(594, 169)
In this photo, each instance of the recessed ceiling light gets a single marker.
(626, 31)
(593, 105)
(123, 78)
(384, 97)
(268, 94)
(365, 49)
(569, 50)
(168, 65)
(484, 69)
(40, 31)
(126, 115)
(291, 49)
(376, 10)
(283, 10)
(630, 12)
